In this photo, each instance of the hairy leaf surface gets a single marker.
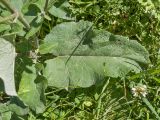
(99, 54)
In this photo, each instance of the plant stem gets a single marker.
(46, 5)
(13, 10)
(2, 20)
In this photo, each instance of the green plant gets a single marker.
(55, 61)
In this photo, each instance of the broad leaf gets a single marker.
(28, 91)
(64, 38)
(7, 59)
(100, 54)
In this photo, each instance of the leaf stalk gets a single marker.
(13, 10)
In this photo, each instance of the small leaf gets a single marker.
(35, 27)
(30, 11)
(4, 108)
(47, 17)
(61, 10)
(5, 114)
(17, 28)
(4, 27)
(17, 106)
(39, 4)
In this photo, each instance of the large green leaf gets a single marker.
(64, 38)
(7, 59)
(100, 54)
(29, 91)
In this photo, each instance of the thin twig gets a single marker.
(15, 11)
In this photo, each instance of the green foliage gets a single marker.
(28, 90)
(93, 59)
(60, 9)
(69, 59)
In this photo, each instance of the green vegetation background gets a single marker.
(111, 100)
